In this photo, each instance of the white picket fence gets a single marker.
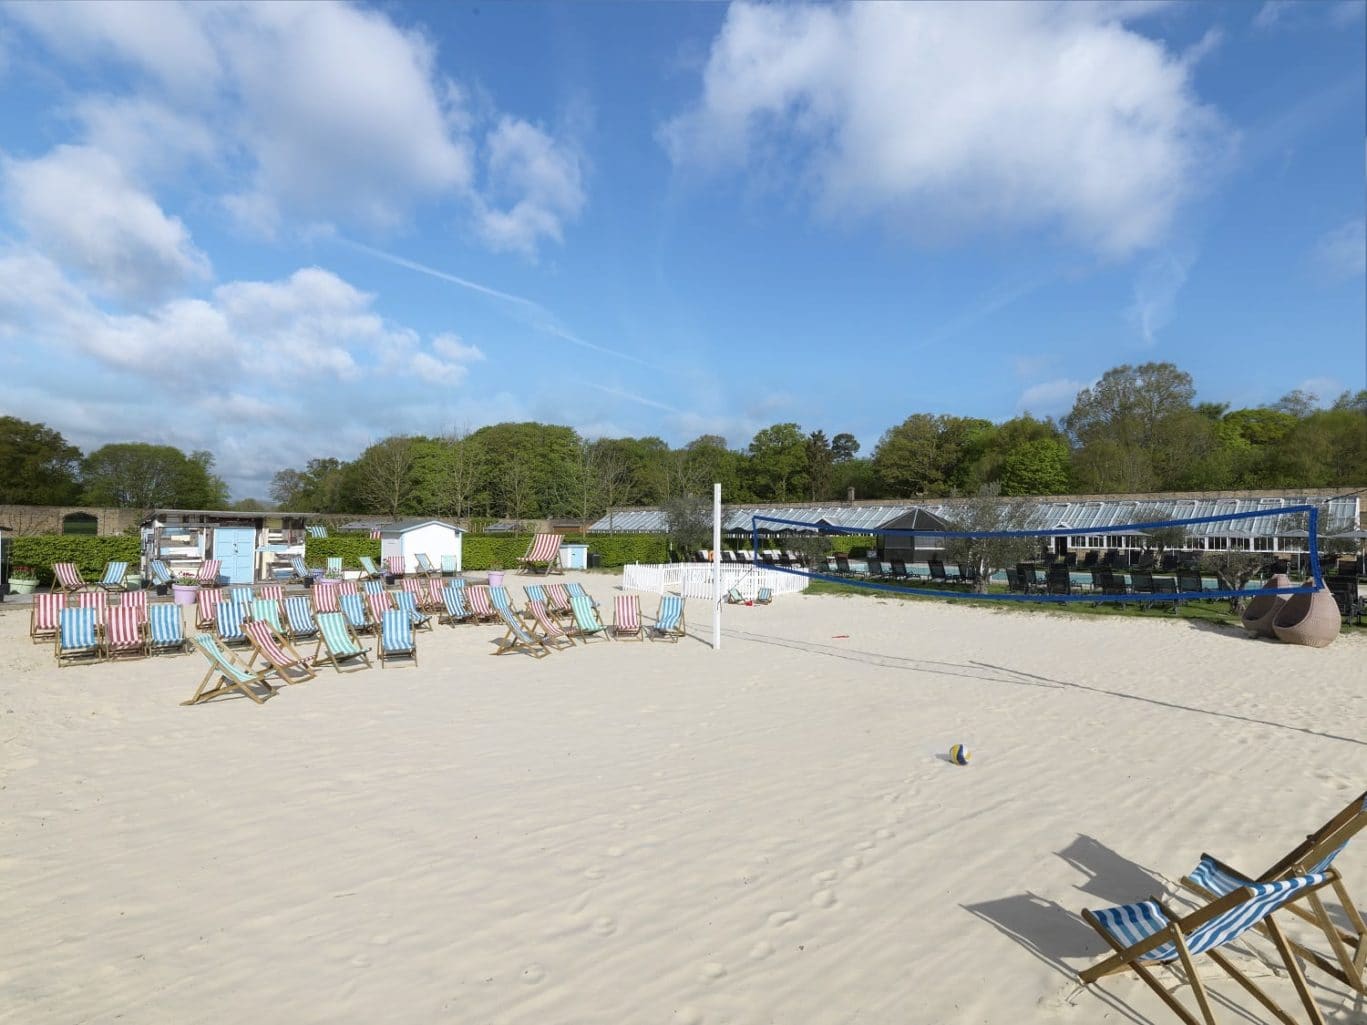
(694, 579)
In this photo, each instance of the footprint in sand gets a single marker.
(712, 970)
(594, 873)
(604, 925)
(885, 834)
(824, 899)
(761, 950)
(851, 863)
(615, 852)
(823, 878)
(865, 845)
(781, 918)
(687, 1015)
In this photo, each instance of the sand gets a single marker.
(660, 833)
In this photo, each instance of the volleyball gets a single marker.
(958, 754)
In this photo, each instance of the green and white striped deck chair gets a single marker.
(334, 567)
(453, 598)
(734, 597)
(114, 572)
(587, 625)
(448, 566)
(226, 674)
(165, 628)
(264, 610)
(368, 568)
(335, 637)
(299, 618)
(669, 620)
(408, 605)
(517, 638)
(78, 636)
(396, 638)
(1147, 934)
(161, 573)
(426, 567)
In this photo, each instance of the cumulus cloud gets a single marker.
(953, 118)
(1342, 252)
(539, 180)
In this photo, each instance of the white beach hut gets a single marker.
(433, 538)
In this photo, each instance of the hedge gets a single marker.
(486, 551)
(349, 546)
(90, 554)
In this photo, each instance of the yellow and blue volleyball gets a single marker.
(958, 754)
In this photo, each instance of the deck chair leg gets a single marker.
(1351, 974)
(1117, 962)
(1297, 976)
(1197, 986)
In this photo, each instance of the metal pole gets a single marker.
(716, 566)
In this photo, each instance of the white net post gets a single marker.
(716, 566)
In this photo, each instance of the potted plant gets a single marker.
(496, 574)
(184, 588)
(23, 580)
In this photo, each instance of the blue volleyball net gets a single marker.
(1060, 564)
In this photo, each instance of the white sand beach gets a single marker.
(657, 833)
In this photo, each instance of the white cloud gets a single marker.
(1342, 252)
(540, 180)
(76, 205)
(1271, 12)
(1156, 290)
(1050, 397)
(951, 118)
(149, 140)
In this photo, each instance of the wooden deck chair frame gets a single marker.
(334, 658)
(394, 624)
(292, 668)
(1349, 963)
(518, 638)
(456, 596)
(587, 623)
(232, 675)
(137, 647)
(155, 646)
(369, 571)
(425, 566)
(92, 652)
(542, 625)
(112, 578)
(671, 634)
(42, 628)
(541, 557)
(624, 631)
(66, 577)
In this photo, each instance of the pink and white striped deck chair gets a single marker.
(378, 603)
(558, 599)
(206, 603)
(348, 587)
(68, 578)
(435, 602)
(325, 596)
(417, 587)
(543, 554)
(394, 566)
(626, 618)
(546, 629)
(477, 600)
(97, 600)
(45, 615)
(135, 600)
(271, 592)
(208, 572)
(278, 653)
(125, 632)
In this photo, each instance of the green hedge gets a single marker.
(349, 546)
(486, 551)
(90, 554)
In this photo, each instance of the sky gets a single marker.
(280, 232)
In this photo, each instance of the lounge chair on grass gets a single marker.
(227, 675)
(518, 639)
(282, 658)
(669, 620)
(77, 638)
(125, 633)
(114, 572)
(43, 616)
(335, 637)
(544, 627)
(396, 638)
(626, 618)
(543, 554)
(165, 628)
(587, 625)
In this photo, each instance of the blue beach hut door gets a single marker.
(236, 547)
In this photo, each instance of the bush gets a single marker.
(349, 546)
(90, 554)
(621, 549)
(487, 551)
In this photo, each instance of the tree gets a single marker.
(689, 523)
(987, 511)
(820, 465)
(778, 463)
(1297, 403)
(707, 461)
(141, 476)
(925, 454)
(317, 488)
(37, 466)
(382, 475)
(1038, 467)
(844, 447)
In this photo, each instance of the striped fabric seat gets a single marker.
(425, 565)
(669, 620)
(376, 606)
(124, 633)
(586, 622)
(417, 588)
(409, 606)
(372, 587)
(435, 586)
(66, 577)
(161, 573)
(206, 601)
(266, 610)
(516, 638)
(298, 568)
(241, 595)
(498, 598)
(165, 627)
(764, 596)
(448, 565)
(44, 615)
(558, 599)
(577, 591)
(396, 638)
(394, 566)
(548, 631)
(535, 592)
(334, 567)
(284, 661)
(317, 530)
(299, 618)
(77, 637)
(543, 554)
(345, 587)
(734, 597)
(208, 572)
(477, 600)
(626, 618)
(229, 618)
(369, 569)
(271, 592)
(354, 609)
(340, 644)
(325, 596)
(226, 675)
(135, 600)
(97, 600)
(112, 580)
(453, 601)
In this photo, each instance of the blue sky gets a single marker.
(280, 231)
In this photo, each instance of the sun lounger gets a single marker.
(558, 599)
(325, 596)
(587, 625)
(480, 605)
(266, 611)
(206, 601)
(44, 615)
(368, 568)
(517, 638)
(626, 618)
(282, 658)
(165, 628)
(227, 675)
(125, 633)
(337, 640)
(112, 580)
(396, 638)
(669, 620)
(66, 577)
(453, 602)
(161, 573)
(543, 554)
(78, 637)
(208, 572)
(299, 618)
(426, 566)
(543, 625)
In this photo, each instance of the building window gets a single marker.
(80, 523)
(1264, 544)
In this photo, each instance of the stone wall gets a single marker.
(48, 519)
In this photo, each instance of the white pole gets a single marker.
(716, 566)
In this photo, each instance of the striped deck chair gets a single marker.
(376, 605)
(97, 600)
(299, 618)
(334, 567)
(544, 626)
(227, 675)
(347, 587)
(165, 628)
(626, 618)
(764, 596)
(368, 568)
(409, 607)
(535, 592)
(396, 638)
(577, 591)
(316, 530)
(124, 632)
(448, 566)
(558, 599)
(587, 625)
(325, 596)
(425, 566)
(44, 615)
(481, 607)
(161, 573)
(499, 599)
(669, 620)
(453, 601)
(543, 554)
(336, 638)
(205, 602)
(372, 587)
(734, 597)
(114, 572)
(435, 585)
(394, 566)
(77, 637)
(1147, 934)
(241, 595)
(135, 600)
(354, 609)
(299, 571)
(266, 610)
(283, 660)
(271, 592)
(229, 618)
(208, 572)
(1315, 854)
(417, 588)
(516, 638)
(66, 577)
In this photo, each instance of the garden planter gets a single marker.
(495, 578)
(184, 594)
(22, 586)
(1262, 611)
(1311, 619)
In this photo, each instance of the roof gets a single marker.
(404, 526)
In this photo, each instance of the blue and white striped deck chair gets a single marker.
(669, 620)
(535, 592)
(372, 586)
(764, 596)
(396, 638)
(517, 638)
(166, 628)
(341, 645)
(228, 617)
(409, 606)
(114, 572)
(426, 566)
(266, 610)
(454, 600)
(1147, 934)
(317, 530)
(448, 566)
(77, 636)
(577, 591)
(1315, 854)
(586, 624)
(299, 618)
(161, 573)
(227, 674)
(353, 607)
(334, 567)
(299, 569)
(240, 594)
(499, 598)
(368, 568)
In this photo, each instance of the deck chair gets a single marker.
(229, 618)
(435, 586)
(369, 571)
(325, 596)
(543, 554)
(135, 600)
(577, 591)
(626, 618)
(299, 571)
(499, 598)
(208, 572)
(66, 577)
(240, 594)
(376, 605)
(114, 572)
(345, 587)
(409, 607)
(165, 628)
(425, 566)
(518, 639)
(270, 592)
(1315, 854)
(278, 654)
(372, 587)
(396, 638)
(669, 620)
(481, 607)
(125, 634)
(544, 627)
(336, 638)
(161, 573)
(265, 610)
(413, 586)
(299, 619)
(333, 567)
(448, 566)
(1147, 934)
(227, 675)
(734, 597)
(44, 615)
(394, 566)
(77, 638)
(587, 625)
(206, 600)
(357, 617)
(764, 596)
(453, 605)
(558, 599)
(97, 600)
